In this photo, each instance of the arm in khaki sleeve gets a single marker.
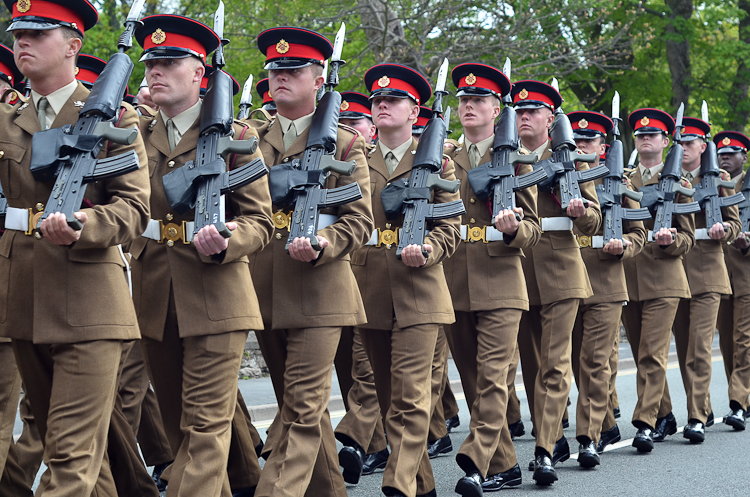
(590, 223)
(730, 215)
(355, 220)
(685, 236)
(125, 214)
(634, 231)
(445, 234)
(251, 205)
(529, 232)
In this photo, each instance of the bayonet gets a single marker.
(219, 20)
(554, 84)
(507, 99)
(442, 76)
(247, 98)
(633, 156)
(704, 112)
(135, 11)
(338, 43)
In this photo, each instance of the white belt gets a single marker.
(127, 269)
(17, 219)
(156, 230)
(386, 237)
(651, 235)
(597, 241)
(556, 224)
(702, 234)
(484, 233)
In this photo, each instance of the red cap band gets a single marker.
(8, 72)
(480, 82)
(650, 122)
(395, 84)
(86, 75)
(49, 10)
(347, 106)
(532, 95)
(731, 142)
(422, 121)
(293, 51)
(267, 97)
(691, 130)
(169, 40)
(588, 125)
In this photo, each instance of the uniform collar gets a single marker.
(397, 152)
(300, 124)
(483, 145)
(184, 120)
(56, 100)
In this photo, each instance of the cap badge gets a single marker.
(23, 6)
(583, 124)
(159, 36)
(523, 94)
(645, 121)
(726, 141)
(77, 70)
(344, 105)
(384, 81)
(282, 46)
(471, 79)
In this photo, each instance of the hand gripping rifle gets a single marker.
(246, 101)
(707, 194)
(660, 198)
(412, 196)
(203, 182)
(561, 169)
(302, 182)
(612, 189)
(497, 178)
(69, 154)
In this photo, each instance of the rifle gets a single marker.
(707, 194)
(744, 206)
(413, 193)
(302, 182)
(497, 178)
(203, 182)
(612, 189)
(246, 101)
(69, 153)
(660, 198)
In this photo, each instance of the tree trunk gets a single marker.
(110, 7)
(678, 50)
(739, 107)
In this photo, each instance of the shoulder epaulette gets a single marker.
(370, 147)
(145, 110)
(451, 146)
(264, 115)
(17, 96)
(349, 128)
(242, 124)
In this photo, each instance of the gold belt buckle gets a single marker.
(282, 220)
(583, 241)
(33, 220)
(173, 232)
(387, 237)
(476, 234)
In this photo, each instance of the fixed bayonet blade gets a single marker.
(325, 70)
(704, 111)
(631, 162)
(555, 84)
(219, 20)
(506, 68)
(680, 112)
(447, 117)
(338, 44)
(247, 92)
(442, 76)
(135, 10)
(616, 106)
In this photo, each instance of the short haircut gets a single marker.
(69, 34)
(317, 70)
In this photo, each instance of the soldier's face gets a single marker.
(392, 113)
(732, 162)
(4, 88)
(363, 125)
(41, 54)
(651, 143)
(591, 146)
(174, 83)
(692, 150)
(475, 111)
(292, 87)
(533, 124)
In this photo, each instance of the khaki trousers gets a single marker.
(363, 422)
(195, 379)
(29, 447)
(513, 414)
(734, 340)
(448, 400)
(648, 325)
(13, 481)
(529, 354)
(613, 402)
(483, 344)
(594, 332)
(303, 459)
(71, 390)
(438, 381)
(243, 468)
(152, 438)
(402, 362)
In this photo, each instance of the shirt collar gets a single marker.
(184, 120)
(397, 152)
(483, 145)
(654, 171)
(540, 151)
(57, 98)
(300, 124)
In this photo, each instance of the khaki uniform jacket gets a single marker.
(396, 295)
(212, 295)
(554, 269)
(657, 271)
(737, 262)
(704, 265)
(54, 294)
(606, 271)
(485, 276)
(295, 294)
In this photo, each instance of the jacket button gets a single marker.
(473, 201)
(2, 154)
(39, 207)
(169, 217)
(472, 220)
(38, 235)
(286, 159)
(170, 243)
(170, 164)
(278, 236)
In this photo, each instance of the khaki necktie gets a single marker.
(689, 177)
(646, 175)
(474, 156)
(391, 162)
(42, 112)
(290, 136)
(170, 134)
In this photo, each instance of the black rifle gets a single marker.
(660, 198)
(69, 154)
(561, 169)
(203, 182)
(744, 206)
(498, 178)
(302, 183)
(3, 206)
(707, 194)
(414, 193)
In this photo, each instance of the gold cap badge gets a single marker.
(645, 121)
(159, 36)
(583, 124)
(282, 46)
(344, 105)
(523, 94)
(384, 81)
(726, 141)
(23, 6)
(471, 79)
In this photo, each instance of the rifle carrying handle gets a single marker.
(585, 157)
(678, 188)
(123, 136)
(637, 196)
(524, 159)
(435, 181)
(228, 146)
